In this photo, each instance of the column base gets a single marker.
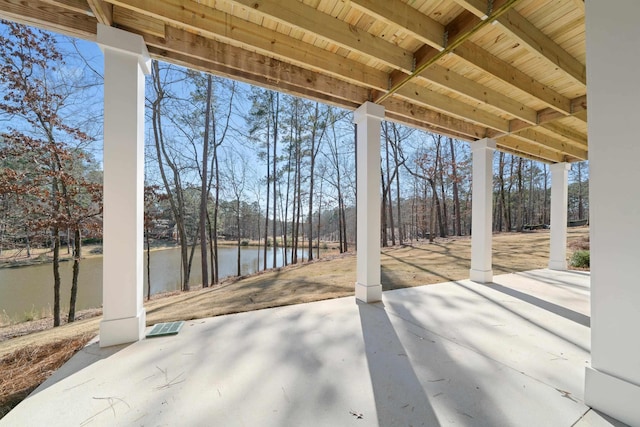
(481, 276)
(613, 396)
(368, 293)
(122, 331)
(558, 265)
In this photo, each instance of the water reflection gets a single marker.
(26, 291)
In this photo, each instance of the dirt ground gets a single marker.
(33, 347)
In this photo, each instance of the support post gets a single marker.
(481, 210)
(612, 40)
(559, 200)
(126, 61)
(368, 118)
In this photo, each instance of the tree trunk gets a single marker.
(191, 253)
(312, 165)
(456, 194)
(434, 197)
(77, 253)
(216, 207)
(436, 204)
(319, 217)
(383, 213)
(266, 214)
(580, 199)
(148, 264)
(275, 112)
(285, 225)
(299, 200)
(503, 199)
(28, 242)
(387, 190)
(238, 232)
(175, 200)
(530, 218)
(295, 201)
(56, 276)
(341, 216)
(440, 176)
(545, 216)
(204, 191)
(520, 195)
(401, 232)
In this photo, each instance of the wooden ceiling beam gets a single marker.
(532, 38)
(458, 31)
(578, 107)
(79, 6)
(509, 150)
(133, 21)
(579, 4)
(539, 43)
(418, 124)
(232, 59)
(473, 54)
(218, 25)
(415, 113)
(582, 115)
(287, 12)
(537, 137)
(49, 17)
(480, 8)
(306, 18)
(568, 133)
(243, 76)
(236, 63)
(483, 60)
(434, 100)
(396, 12)
(214, 23)
(478, 92)
(102, 10)
(524, 148)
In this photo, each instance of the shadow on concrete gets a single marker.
(90, 354)
(535, 275)
(400, 398)
(607, 419)
(531, 321)
(567, 313)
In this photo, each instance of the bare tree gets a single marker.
(204, 188)
(174, 187)
(235, 178)
(318, 128)
(456, 194)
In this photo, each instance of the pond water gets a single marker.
(28, 291)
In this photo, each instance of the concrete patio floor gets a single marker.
(508, 354)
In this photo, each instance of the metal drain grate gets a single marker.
(163, 329)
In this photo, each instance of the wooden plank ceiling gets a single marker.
(513, 70)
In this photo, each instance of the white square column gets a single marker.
(481, 210)
(368, 118)
(126, 61)
(613, 91)
(559, 201)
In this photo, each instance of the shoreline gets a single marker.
(41, 256)
(44, 322)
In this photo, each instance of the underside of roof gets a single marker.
(511, 70)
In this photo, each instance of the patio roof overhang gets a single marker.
(510, 70)
(506, 73)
